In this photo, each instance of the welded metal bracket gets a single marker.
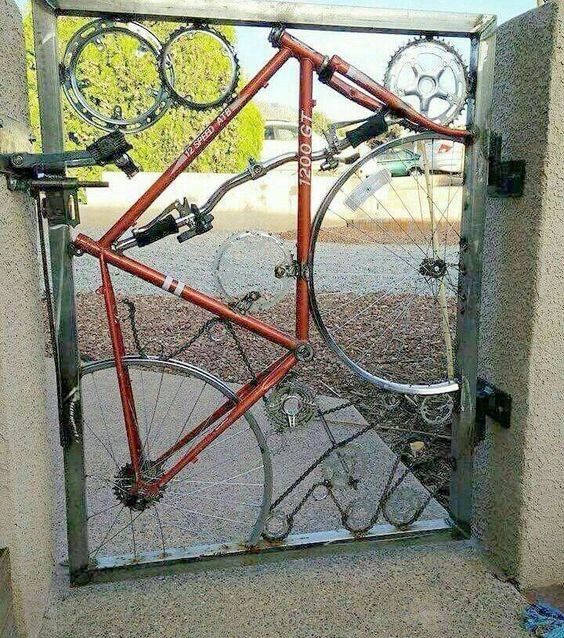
(505, 178)
(491, 402)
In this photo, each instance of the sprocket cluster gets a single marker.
(430, 75)
(124, 481)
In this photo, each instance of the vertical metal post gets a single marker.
(57, 206)
(474, 203)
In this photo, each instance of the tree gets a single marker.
(320, 122)
(120, 73)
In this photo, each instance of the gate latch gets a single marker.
(492, 402)
(505, 178)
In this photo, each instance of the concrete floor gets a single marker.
(443, 590)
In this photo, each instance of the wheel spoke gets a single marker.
(226, 493)
(394, 322)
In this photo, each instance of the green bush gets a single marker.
(120, 83)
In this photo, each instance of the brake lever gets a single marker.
(114, 149)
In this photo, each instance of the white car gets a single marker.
(445, 156)
(281, 137)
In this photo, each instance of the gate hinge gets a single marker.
(491, 402)
(505, 178)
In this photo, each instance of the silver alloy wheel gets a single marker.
(367, 185)
(224, 496)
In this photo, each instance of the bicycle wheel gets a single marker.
(384, 264)
(221, 498)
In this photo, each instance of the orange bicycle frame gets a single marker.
(346, 80)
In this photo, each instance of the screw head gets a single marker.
(304, 352)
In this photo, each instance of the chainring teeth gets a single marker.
(165, 95)
(89, 34)
(271, 290)
(227, 97)
(459, 71)
(297, 393)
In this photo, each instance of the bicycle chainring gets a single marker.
(182, 61)
(430, 76)
(248, 263)
(88, 59)
(291, 405)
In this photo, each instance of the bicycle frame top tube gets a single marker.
(328, 67)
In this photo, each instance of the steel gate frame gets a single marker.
(480, 29)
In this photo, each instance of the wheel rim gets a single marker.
(86, 94)
(223, 498)
(390, 316)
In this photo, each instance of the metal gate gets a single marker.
(335, 414)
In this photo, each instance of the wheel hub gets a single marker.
(433, 268)
(133, 497)
(427, 85)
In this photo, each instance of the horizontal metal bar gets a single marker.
(222, 555)
(297, 15)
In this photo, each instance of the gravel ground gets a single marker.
(387, 232)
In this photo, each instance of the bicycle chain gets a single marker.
(243, 306)
(318, 462)
(389, 489)
(68, 407)
(131, 309)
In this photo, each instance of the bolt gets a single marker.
(17, 160)
(280, 272)
(304, 352)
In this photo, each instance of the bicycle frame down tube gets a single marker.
(279, 370)
(242, 393)
(192, 151)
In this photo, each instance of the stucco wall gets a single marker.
(25, 460)
(520, 493)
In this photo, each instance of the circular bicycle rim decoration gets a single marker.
(79, 90)
(186, 71)
(430, 76)
(248, 263)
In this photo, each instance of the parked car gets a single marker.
(401, 162)
(281, 137)
(445, 156)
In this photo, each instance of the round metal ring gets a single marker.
(247, 262)
(91, 33)
(166, 67)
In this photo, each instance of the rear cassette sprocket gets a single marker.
(428, 84)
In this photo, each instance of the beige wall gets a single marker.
(520, 472)
(25, 459)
